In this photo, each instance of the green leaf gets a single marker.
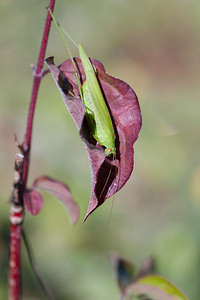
(154, 287)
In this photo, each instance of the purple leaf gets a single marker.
(108, 175)
(33, 201)
(61, 192)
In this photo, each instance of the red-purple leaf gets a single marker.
(61, 192)
(33, 201)
(108, 175)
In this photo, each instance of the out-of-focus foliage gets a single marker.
(145, 284)
(154, 46)
(154, 287)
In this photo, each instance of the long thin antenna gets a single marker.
(69, 37)
(60, 29)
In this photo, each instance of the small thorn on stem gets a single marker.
(35, 74)
(41, 74)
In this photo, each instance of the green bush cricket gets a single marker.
(97, 114)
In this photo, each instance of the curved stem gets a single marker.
(36, 83)
(21, 173)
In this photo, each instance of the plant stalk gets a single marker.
(22, 162)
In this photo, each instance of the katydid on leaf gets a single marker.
(97, 114)
(113, 121)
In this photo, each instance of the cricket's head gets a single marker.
(110, 151)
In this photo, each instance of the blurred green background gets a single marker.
(154, 46)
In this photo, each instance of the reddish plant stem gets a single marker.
(21, 173)
(16, 219)
(14, 266)
(36, 83)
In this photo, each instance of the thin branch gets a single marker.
(16, 219)
(21, 172)
(38, 74)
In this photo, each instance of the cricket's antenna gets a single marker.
(112, 206)
(60, 29)
(69, 37)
